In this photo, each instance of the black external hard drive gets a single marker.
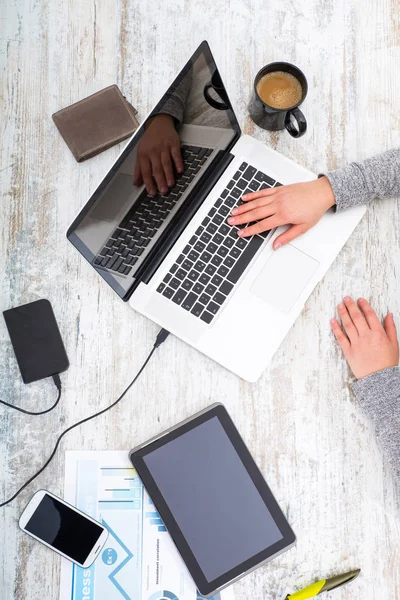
(36, 340)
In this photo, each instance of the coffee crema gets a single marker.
(279, 89)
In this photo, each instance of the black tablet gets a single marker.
(212, 498)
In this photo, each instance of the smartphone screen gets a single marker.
(64, 529)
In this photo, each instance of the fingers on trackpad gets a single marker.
(284, 276)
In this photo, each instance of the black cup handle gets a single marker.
(211, 101)
(301, 123)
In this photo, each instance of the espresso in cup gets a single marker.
(280, 89)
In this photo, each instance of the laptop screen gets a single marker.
(147, 189)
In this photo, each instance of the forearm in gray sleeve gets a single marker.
(358, 183)
(379, 396)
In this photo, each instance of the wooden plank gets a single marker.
(301, 422)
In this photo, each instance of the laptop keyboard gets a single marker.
(139, 226)
(215, 258)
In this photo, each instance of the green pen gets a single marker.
(323, 586)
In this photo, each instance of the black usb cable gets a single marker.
(160, 339)
(57, 382)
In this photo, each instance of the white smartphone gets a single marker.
(63, 528)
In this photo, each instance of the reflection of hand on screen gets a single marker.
(158, 152)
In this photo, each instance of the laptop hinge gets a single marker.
(184, 215)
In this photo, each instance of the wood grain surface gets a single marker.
(302, 423)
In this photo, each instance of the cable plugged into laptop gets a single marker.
(160, 339)
(57, 383)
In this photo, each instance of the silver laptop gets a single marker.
(174, 257)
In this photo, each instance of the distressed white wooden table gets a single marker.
(304, 427)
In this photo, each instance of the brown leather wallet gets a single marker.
(96, 123)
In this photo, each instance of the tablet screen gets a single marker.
(212, 498)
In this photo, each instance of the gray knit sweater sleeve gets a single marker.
(379, 393)
(379, 396)
(358, 183)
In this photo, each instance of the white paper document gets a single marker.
(139, 560)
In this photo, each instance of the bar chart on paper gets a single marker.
(153, 517)
(139, 560)
(120, 489)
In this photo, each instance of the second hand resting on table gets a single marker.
(372, 351)
(368, 345)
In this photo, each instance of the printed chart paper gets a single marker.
(139, 560)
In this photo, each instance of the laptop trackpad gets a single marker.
(284, 277)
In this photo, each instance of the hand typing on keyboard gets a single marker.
(300, 205)
(158, 153)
